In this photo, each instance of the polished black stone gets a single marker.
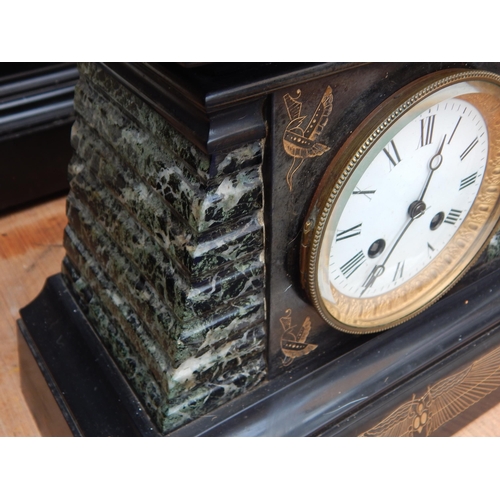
(36, 113)
(343, 397)
(89, 389)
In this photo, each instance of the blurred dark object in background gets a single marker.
(36, 114)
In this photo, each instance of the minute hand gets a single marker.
(434, 164)
(416, 209)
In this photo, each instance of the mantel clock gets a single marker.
(292, 249)
(407, 204)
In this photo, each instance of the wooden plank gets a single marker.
(30, 251)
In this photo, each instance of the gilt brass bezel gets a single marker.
(368, 315)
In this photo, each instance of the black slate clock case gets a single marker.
(320, 381)
(356, 93)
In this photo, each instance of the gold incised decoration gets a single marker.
(301, 143)
(442, 401)
(372, 314)
(293, 345)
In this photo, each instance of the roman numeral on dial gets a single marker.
(348, 233)
(426, 130)
(366, 193)
(454, 130)
(353, 264)
(468, 181)
(470, 147)
(430, 249)
(399, 271)
(392, 153)
(453, 216)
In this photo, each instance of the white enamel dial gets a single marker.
(438, 159)
(407, 204)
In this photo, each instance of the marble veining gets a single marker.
(137, 248)
(180, 340)
(199, 254)
(131, 364)
(173, 381)
(167, 174)
(493, 248)
(135, 109)
(165, 253)
(199, 385)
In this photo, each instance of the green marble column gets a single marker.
(165, 252)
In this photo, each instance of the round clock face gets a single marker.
(407, 204)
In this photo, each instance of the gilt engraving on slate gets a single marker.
(301, 143)
(293, 345)
(442, 401)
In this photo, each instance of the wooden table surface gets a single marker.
(30, 251)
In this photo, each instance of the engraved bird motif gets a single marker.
(443, 401)
(301, 143)
(294, 345)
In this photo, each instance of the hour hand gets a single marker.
(376, 272)
(434, 164)
(437, 159)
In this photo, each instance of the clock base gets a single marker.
(390, 385)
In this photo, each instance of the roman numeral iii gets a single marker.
(468, 181)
